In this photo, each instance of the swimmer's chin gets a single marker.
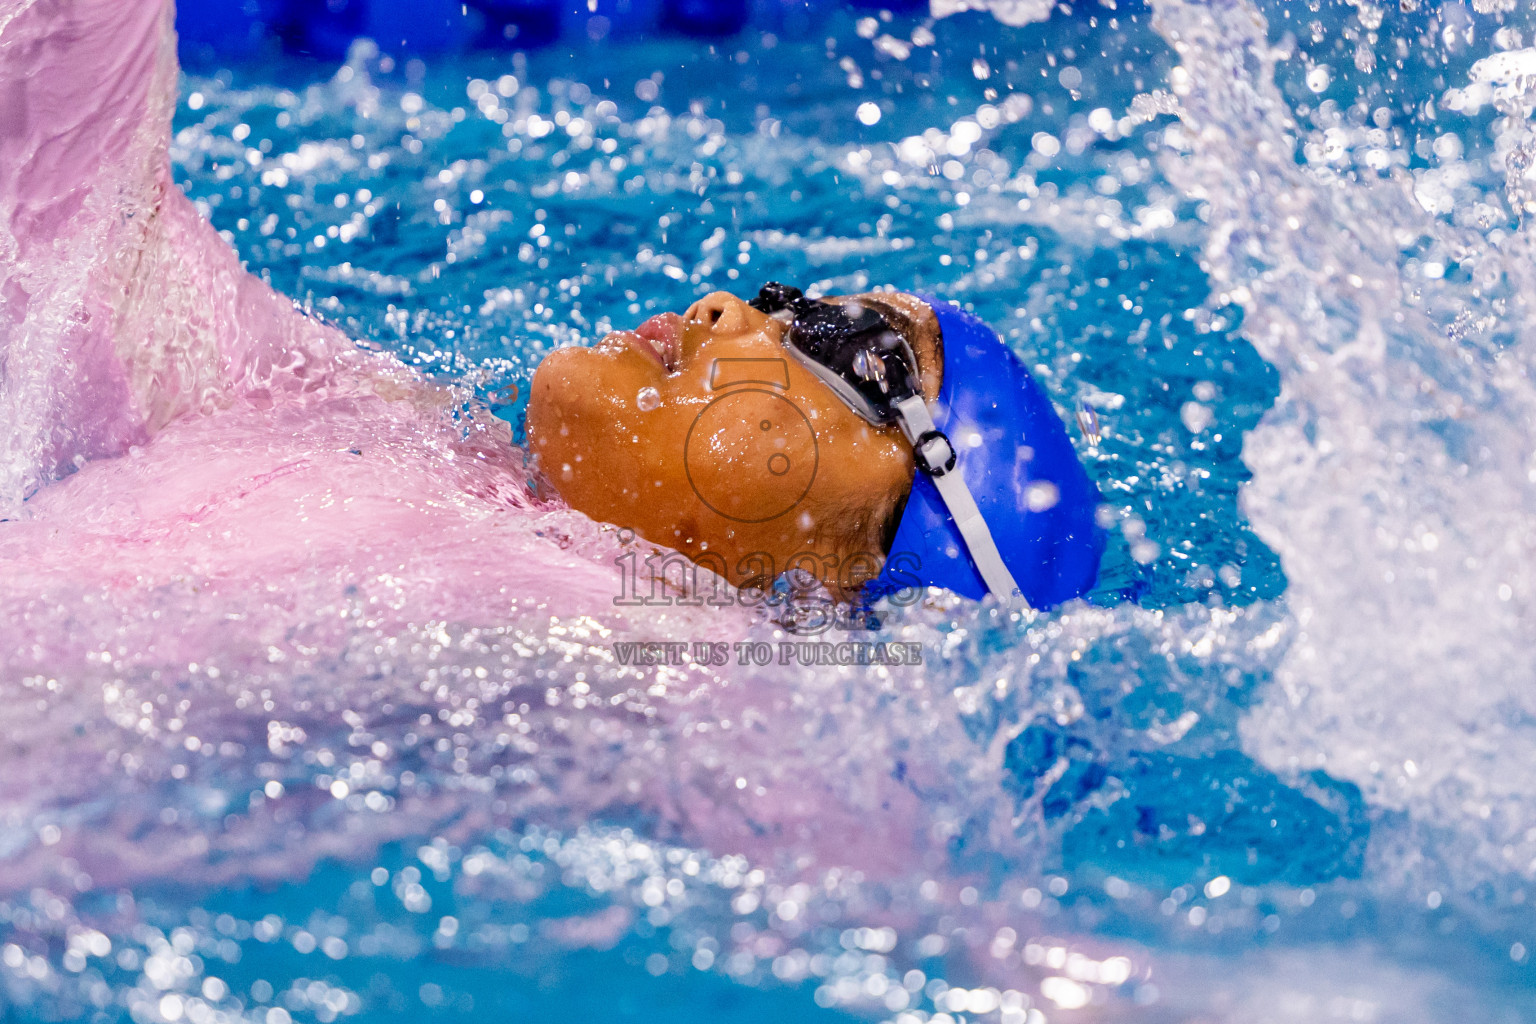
(556, 395)
(569, 422)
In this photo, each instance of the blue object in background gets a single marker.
(707, 17)
(420, 26)
(326, 28)
(519, 23)
(623, 19)
(320, 28)
(216, 30)
(224, 28)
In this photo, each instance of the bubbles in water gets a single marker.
(1196, 416)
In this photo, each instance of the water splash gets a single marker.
(435, 755)
(1393, 476)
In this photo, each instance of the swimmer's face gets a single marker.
(702, 433)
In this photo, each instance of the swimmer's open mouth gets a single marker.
(660, 337)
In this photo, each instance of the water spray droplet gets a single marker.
(648, 399)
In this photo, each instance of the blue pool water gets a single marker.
(1283, 266)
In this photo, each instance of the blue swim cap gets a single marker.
(1015, 457)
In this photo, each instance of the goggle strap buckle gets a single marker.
(917, 424)
(934, 453)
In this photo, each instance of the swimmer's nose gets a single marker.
(721, 311)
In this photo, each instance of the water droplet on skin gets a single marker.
(648, 399)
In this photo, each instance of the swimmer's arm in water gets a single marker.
(162, 319)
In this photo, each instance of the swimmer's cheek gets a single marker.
(545, 406)
(554, 388)
(557, 428)
(575, 400)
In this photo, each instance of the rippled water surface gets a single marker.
(1280, 253)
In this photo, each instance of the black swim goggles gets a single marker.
(870, 365)
(858, 354)
(851, 347)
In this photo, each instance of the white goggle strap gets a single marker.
(936, 457)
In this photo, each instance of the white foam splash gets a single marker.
(1009, 12)
(1395, 474)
